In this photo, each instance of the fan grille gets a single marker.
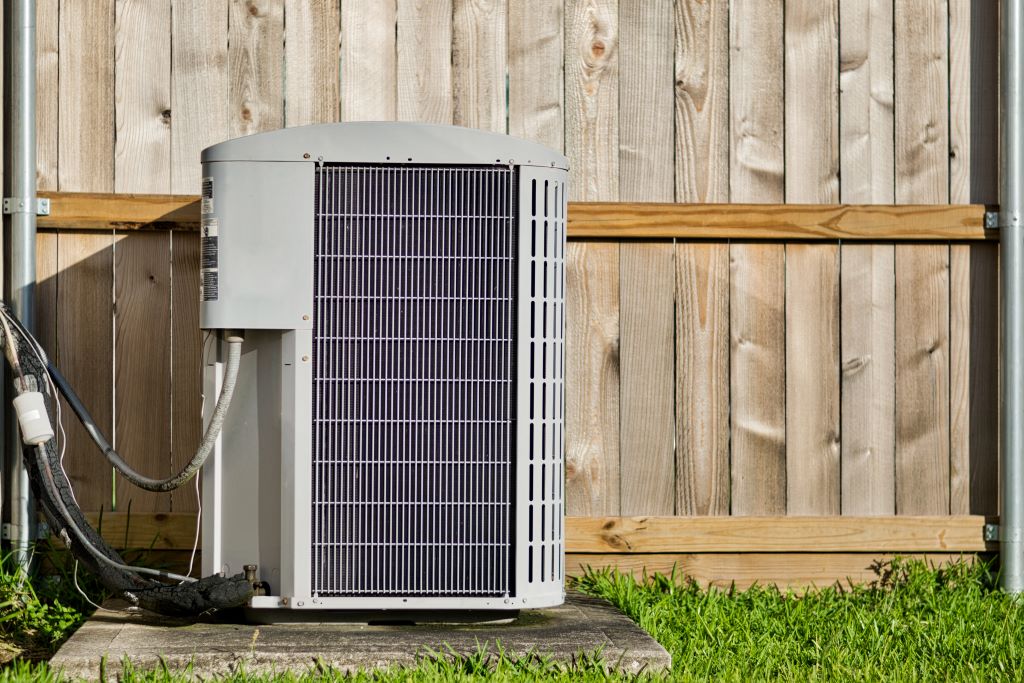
(414, 395)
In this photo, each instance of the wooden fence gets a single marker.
(707, 376)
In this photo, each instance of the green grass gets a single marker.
(916, 623)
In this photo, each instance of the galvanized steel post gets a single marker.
(1012, 256)
(21, 204)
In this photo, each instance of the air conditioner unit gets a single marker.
(396, 438)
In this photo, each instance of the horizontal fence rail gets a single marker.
(790, 552)
(613, 220)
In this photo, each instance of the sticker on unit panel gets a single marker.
(208, 261)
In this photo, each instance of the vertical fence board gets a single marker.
(974, 379)
(756, 163)
(757, 272)
(812, 379)
(922, 290)
(592, 98)
(86, 98)
(199, 86)
(812, 277)
(142, 333)
(47, 58)
(142, 92)
(479, 63)
(186, 361)
(867, 271)
(369, 55)
(255, 55)
(536, 73)
(973, 102)
(592, 357)
(922, 101)
(85, 314)
(646, 101)
(647, 422)
(647, 273)
(702, 100)
(812, 102)
(922, 380)
(757, 378)
(46, 309)
(866, 152)
(311, 61)
(702, 378)
(425, 60)
(868, 379)
(974, 289)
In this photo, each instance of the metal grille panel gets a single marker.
(414, 367)
(545, 203)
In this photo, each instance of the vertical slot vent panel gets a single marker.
(546, 204)
(414, 380)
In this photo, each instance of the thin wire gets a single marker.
(199, 517)
(81, 592)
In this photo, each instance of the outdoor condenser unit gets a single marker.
(396, 438)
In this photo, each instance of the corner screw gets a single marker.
(305, 359)
(305, 317)
(306, 155)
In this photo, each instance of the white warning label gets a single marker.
(208, 260)
(206, 203)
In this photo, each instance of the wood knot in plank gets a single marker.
(856, 364)
(252, 8)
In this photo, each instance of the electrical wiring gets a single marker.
(142, 586)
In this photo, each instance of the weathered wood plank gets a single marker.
(479, 63)
(812, 101)
(255, 57)
(702, 378)
(922, 101)
(774, 534)
(702, 100)
(868, 319)
(757, 282)
(974, 379)
(536, 94)
(922, 291)
(757, 158)
(592, 356)
(922, 380)
(85, 311)
(186, 361)
(86, 107)
(311, 61)
(369, 54)
(758, 378)
(778, 221)
(646, 392)
(621, 537)
(199, 86)
(812, 379)
(142, 96)
(739, 571)
(646, 101)
(142, 347)
(973, 101)
(617, 220)
(867, 161)
(646, 271)
(47, 93)
(425, 60)
(592, 98)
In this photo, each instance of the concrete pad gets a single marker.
(148, 641)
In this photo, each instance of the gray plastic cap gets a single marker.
(379, 142)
